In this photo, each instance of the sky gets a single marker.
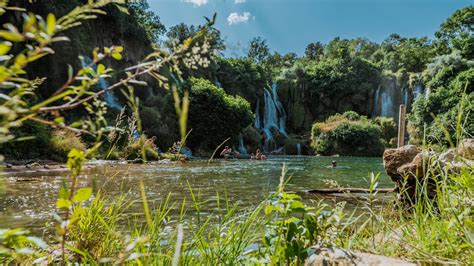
(289, 25)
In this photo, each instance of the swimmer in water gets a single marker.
(334, 164)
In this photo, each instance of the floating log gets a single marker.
(348, 190)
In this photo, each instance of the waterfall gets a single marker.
(109, 97)
(406, 97)
(386, 104)
(273, 117)
(257, 116)
(241, 148)
(298, 148)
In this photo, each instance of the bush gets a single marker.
(341, 135)
(252, 137)
(388, 127)
(215, 116)
(63, 141)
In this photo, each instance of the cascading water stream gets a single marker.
(109, 98)
(274, 116)
(298, 148)
(241, 148)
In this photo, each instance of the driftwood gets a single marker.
(348, 190)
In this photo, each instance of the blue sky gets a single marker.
(289, 25)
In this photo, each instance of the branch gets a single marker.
(348, 190)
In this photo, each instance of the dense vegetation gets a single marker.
(342, 75)
(352, 134)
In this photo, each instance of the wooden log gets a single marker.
(401, 125)
(348, 190)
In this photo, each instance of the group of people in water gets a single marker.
(229, 153)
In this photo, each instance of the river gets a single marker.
(28, 199)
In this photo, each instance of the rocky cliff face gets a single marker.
(303, 107)
(116, 28)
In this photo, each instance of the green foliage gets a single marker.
(252, 137)
(434, 118)
(388, 129)
(347, 135)
(214, 113)
(258, 50)
(62, 141)
(456, 33)
(148, 20)
(242, 77)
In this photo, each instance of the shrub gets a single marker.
(252, 137)
(62, 142)
(388, 127)
(341, 135)
(215, 116)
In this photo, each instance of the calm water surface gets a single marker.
(30, 203)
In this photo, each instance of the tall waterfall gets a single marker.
(109, 97)
(274, 116)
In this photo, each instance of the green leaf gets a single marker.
(50, 23)
(59, 120)
(100, 69)
(63, 192)
(63, 203)
(5, 47)
(117, 56)
(82, 194)
(10, 36)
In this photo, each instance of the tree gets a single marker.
(258, 50)
(314, 51)
(214, 115)
(457, 32)
(150, 22)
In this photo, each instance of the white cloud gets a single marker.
(199, 2)
(240, 1)
(236, 18)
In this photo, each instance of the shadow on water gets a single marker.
(31, 203)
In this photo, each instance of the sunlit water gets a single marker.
(30, 203)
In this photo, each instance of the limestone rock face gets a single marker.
(466, 149)
(395, 158)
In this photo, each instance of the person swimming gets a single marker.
(333, 164)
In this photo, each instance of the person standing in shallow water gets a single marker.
(260, 156)
(226, 152)
(334, 164)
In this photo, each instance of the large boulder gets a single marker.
(417, 167)
(395, 158)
